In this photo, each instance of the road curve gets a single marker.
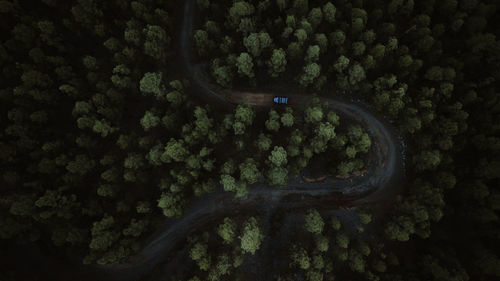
(385, 172)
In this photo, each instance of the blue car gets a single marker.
(280, 100)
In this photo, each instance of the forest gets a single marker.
(106, 139)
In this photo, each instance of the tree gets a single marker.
(221, 268)
(133, 161)
(102, 235)
(325, 131)
(294, 50)
(171, 204)
(357, 25)
(174, 151)
(301, 35)
(228, 182)
(341, 64)
(356, 74)
(321, 40)
(435, 73)
(245, 65)
(358, 48)
(378, 51)
(405, 61)
(315, 16)
(427, 159)
(313, 222)
(203, 44)
(249, 171)
(151, 83)
(364, 217)
(241, 190)
(103, 128)
(199, 253)
(310, 72)
(321, 243)
(329, 11)
(255, 43)
(222, 73)
(277, 176)
(135, 228)
(244, 114)
(287, 117)
(175, 98)
(81, 165)
(273, 124)
(356, 261)
(278, 156)
(277, 63)
(313, 114)
(149, 121)
(227, 230)
(239, 10)
(400, 229)
(251, 237)
(156, 41)
(300, 7)
(263, 142)
(300, 257)
(143, 207)
(312, 54)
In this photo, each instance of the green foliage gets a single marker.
(251, 237)
(244, 114)
(312, 53)
(255, 43)
(273, 124)
(277, 176)
(227, 230)
(156, 42)
(263, 142)
(149, 121)
(136, 228)
(222, 73)
(313, 114)
(310, 72)
(356, 74)
(174, 151)
(202, 42)
(245, 65)
(341, 64)
(171, 204)
(322, 243)
(199, 253)
(287, 118)
(313, 222)
(239, 10)
(300, 258)
(249, 171)
(278, 156)
(329, 11)
(277, 63)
